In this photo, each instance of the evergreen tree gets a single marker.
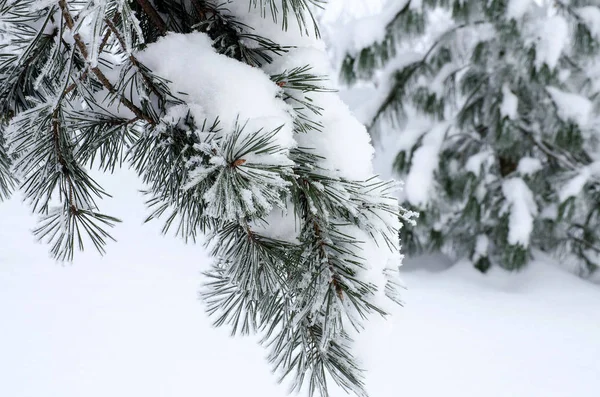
(497, 106)
(224, 111)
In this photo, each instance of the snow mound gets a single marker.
(130, 324)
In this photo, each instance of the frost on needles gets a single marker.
(223, 110)
(495, 105)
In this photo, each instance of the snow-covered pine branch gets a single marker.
(496, 108)
(224, 111)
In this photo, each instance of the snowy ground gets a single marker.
(129, 324)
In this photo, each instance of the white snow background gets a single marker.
(130, 324)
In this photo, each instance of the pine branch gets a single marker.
(134, 61)
(7, 181)
(231, 36)
(90, 101)
(550, 153)
(97, 72)
(299, 8)
(153, 15)
(406, 21)
(20, 71)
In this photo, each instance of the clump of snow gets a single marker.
(529, 166)
(516, 9)
(419, 182)
(574, 186)
(571, 107)
(368, 30)
(551, 36)
(365, 30)
(476, 161)
(354, 158)
(523, 209)
(482, 244)
(417, 125)
(219, 86)
(510, 103)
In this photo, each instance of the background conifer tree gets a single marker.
(224, 111)
(495, 104)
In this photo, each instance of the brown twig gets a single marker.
(112, 28)
(199, 9)
(104, 41)
(153, 15)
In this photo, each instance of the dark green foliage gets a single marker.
(462, 79)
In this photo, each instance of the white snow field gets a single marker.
(130, 324)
